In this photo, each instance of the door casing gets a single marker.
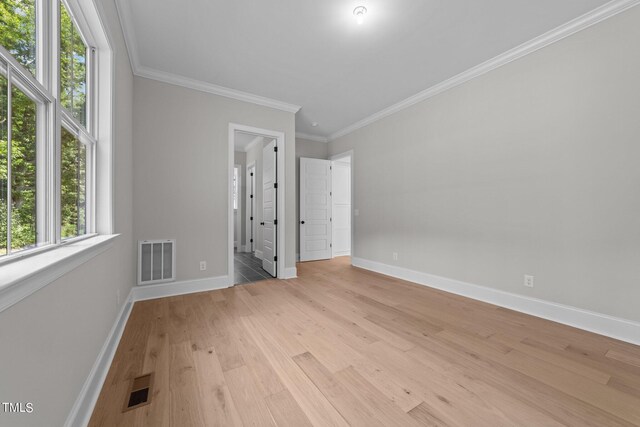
(283, 272)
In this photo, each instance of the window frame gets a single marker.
(44, 89)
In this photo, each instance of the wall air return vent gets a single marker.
(156, 261)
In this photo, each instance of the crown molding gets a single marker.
(201, 86)
(128, 29)
(123, 9)
(316, 138)
(582, 22)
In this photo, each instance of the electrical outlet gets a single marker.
(395, 256)
(528, 281)
(203, 265)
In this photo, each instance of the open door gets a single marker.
(315, 209)
(269, 213)
(341, 207)
(251, 213)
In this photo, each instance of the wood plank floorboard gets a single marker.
(343, 346)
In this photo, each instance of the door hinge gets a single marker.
(251, 241)
(275, 258)
(331, 193)
(330, 245)
(330, 167)
(251, 196)
(275, 148)
(330, 219)
(275, 185)
(275, 222)
(251, 218)
(251, 173)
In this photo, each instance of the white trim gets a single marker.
(162, 290)
(621, 329)
(82, 409)
(281, 195)
(128, 29)
(201, 86)
(258, 254)
(290, 273)
(23, 277)
(308, 136)
(585, 21)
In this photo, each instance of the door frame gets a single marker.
(342, 155)
(250, 209)
(281, 194)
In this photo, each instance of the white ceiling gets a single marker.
(312, 53)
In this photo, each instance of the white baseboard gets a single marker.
(290, 273)
(162, 290)
(624, 330)
(84, 404)
(258, 254)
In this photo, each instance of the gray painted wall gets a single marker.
(181, 176)
(529, 169)
(51, 339)
(312, 150)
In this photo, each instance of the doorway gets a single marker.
(259, 253)
(341, 206)
(326, 200)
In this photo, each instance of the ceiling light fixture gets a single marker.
(359, 13)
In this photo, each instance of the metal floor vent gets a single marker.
(139, 393)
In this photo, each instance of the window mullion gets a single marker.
(9, 135)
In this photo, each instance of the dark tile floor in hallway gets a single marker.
(248, 268)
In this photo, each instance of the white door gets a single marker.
(251, 215)
(315, 209)
(341, 207)
(269, 214)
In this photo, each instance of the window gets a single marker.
(235, 188)
(47, 132)
(18, 35)
(21, 161)
(73, 68)
(73, 184)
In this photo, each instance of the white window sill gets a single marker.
(21, 278)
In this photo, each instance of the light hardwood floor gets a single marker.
(342, 346)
